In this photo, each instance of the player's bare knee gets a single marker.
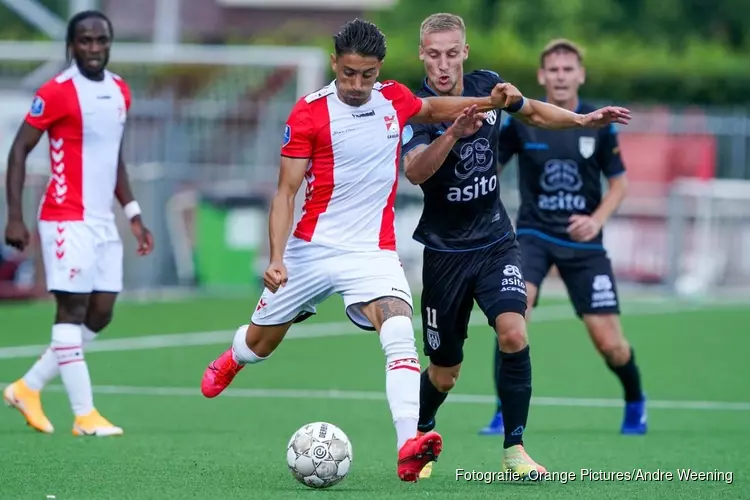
(613, 347)
(71, 308)
(97, 321)
(444, 378)
(511, 332)
(100, 310)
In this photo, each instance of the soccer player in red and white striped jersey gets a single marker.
(83, 111)
(344, 140)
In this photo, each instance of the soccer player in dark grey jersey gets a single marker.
(471, 253)
(561, 217)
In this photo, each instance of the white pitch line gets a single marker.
(300, 331)
(318, 330)
(380, 396)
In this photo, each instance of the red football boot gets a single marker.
(220, 374)
(418, 452)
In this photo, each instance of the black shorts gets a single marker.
(587, 273)
(452, 281)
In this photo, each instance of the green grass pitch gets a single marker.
(178, 445)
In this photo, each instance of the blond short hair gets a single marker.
(560, 45)
(440, 22)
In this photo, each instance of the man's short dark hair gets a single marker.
(560, 45)
(360, 37)
(82, 16)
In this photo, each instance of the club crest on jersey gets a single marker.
(586, 146)
(287, 135)
(391, 126)
(491, 117)
(37, 107)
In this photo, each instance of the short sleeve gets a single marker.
(299, 132)
(415, 134)
(508, 143)
(608, 152)
(47, 107)
(125, 89)
(404, 101)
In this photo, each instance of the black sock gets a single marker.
(515, 394)
(430, 400)
(630, 378)
(498, 363)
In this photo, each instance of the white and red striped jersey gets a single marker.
(84, 121)
(353, 171)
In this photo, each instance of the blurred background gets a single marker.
(213, 82)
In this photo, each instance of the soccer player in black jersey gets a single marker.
(561, 217)
(471, 252)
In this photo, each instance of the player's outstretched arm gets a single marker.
(281, 216)
(448, 108)
(545, 115)
(27, 137)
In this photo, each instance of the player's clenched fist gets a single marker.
(16, 234)
(275, 276)
(505, 95)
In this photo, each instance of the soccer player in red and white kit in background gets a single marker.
(345, 141)
(83, 110)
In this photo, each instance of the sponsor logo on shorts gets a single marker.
(514, 282)
(511, 270)
(603, 294)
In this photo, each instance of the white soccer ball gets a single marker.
(319, 455)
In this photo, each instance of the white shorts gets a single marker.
(315, 273)
(81, 257)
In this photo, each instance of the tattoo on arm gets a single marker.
(392, 306)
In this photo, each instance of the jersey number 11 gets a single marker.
(431, 317)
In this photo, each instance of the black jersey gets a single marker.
(462, 208)
(559, 173)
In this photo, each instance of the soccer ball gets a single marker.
(319, 455)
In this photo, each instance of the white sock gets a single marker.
(46, 367)
(402, 376)
(87, 335)
(67, 340)
(241, 352)
(44, 370)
